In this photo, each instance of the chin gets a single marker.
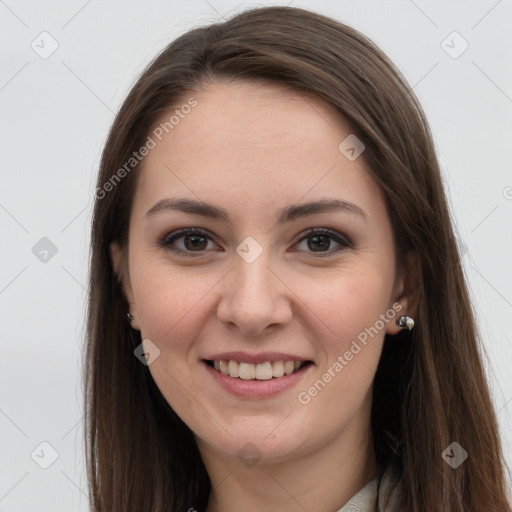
(252, 444)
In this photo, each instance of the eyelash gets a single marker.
(170, 238)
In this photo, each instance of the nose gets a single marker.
(254, 298)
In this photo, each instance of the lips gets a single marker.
(257, 383)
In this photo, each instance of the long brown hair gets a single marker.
(430, 388)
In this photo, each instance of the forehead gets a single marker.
(253, 115)
(252, 142)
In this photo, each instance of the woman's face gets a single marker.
(253, 286)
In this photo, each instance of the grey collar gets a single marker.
(380, 494)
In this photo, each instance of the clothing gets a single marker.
(381, 494)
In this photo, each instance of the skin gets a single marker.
(253, 149)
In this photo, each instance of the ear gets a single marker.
(405, 292)
(120, 264)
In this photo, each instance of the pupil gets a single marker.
(196, 242)
(317, 238)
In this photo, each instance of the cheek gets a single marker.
(349, 360)
(349, 300)
(349, 306)
(171, 310)
(168, 301)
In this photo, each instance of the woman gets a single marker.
(278, 317)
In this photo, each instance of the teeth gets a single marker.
(234, 369)
(288, 367)
(264, 371)
(261, 371)
(247, 371)
(224, 367)
(277, 369)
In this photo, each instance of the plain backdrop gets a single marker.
(56, 110)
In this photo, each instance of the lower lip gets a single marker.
(257, 388)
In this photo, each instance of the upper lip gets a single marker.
(262, 357)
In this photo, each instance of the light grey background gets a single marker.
(55, 113)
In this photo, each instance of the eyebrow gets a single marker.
(287, 214)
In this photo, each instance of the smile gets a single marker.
(261, 371)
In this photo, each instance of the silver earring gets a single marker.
(130, 316)
(405, 321)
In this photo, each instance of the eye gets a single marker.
(319, 240)
(187, 241)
